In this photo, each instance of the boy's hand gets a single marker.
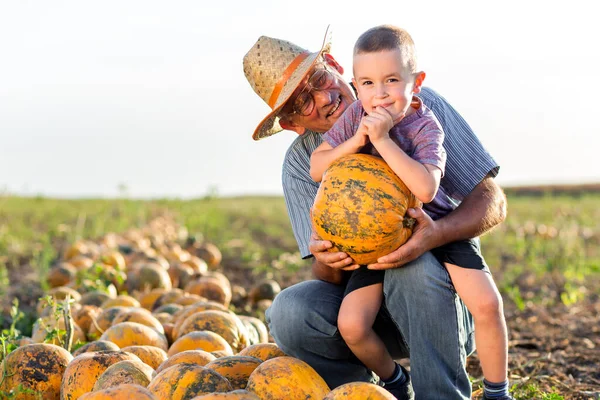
(361, 137)
(378, 124)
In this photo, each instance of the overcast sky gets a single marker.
(151, 94)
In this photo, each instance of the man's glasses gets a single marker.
(320, 79)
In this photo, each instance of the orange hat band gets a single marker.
(285, 76)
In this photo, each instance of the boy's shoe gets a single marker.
(403, 391)
(509, 397)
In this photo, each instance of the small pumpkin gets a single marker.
(198, 357)
(83, 371)
(361, 208)
(124, 391)
(287, 378)
(37, 367)
(359, 391)
(236, 369)
(263, 351)
(200, 340)
(185, 381)
(126, 371)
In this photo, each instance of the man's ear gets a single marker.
(291, 126)
(332, 63)
(419, 78)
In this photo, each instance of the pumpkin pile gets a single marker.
(148, 315)
(361, 208)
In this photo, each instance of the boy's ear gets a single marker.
(419, 78)
(332, 63)
(291, 126)
(354, 85)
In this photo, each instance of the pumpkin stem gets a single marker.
(409, 222)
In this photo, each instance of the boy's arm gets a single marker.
(423, 180)
(324, 155)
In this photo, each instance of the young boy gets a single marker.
(390, 121)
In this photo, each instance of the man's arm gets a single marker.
(480, 211)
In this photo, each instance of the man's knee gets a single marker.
(304, 313)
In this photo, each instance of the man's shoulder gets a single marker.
(302, 147)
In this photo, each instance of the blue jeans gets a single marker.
(422, 318)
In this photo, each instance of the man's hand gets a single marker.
(425, 237)
(336, 260)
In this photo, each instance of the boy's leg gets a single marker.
(479, 293)
(434, 324)
(355, 322)
(303, 322)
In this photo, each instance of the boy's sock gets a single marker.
(398, 377)
(493, 390)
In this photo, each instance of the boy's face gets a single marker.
(382, 79)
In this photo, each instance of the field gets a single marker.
(545, 259)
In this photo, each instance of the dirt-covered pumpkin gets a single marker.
(286, 378)
(126, 334)
(151, 355)
(236, 369)
(83, 371)
(200, 340)
(36, 367)
(360, 207)
(185, 381)
(198, 357)
(359, 391)
(263, 351)
(227, 325)
(126, 371)
(124, 391)
(239, 394)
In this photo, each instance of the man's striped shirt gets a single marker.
(467, 164)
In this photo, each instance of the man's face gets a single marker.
(329, 103)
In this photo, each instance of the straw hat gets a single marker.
(274, 68)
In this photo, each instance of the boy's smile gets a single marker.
(382, 79)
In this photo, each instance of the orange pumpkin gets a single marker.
(124, 391)
(359, 391)
(104, 321)
(96, 345)
(126, 371)
(37, 367)
(126, 334)
(234, 395)
(198, 357)
(141, 316)
(185, 381)
(360, 207)
(226, 324)
(83, 371)
(200, 340)
(151, 355)
(181, 315)
(286, 378)
(212, 288)
(236, 369)
(263, 351)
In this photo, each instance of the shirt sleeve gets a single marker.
(468, 162)
(345, 127)
(299, 191)
(429, 148)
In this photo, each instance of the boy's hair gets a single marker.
(388, 37)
